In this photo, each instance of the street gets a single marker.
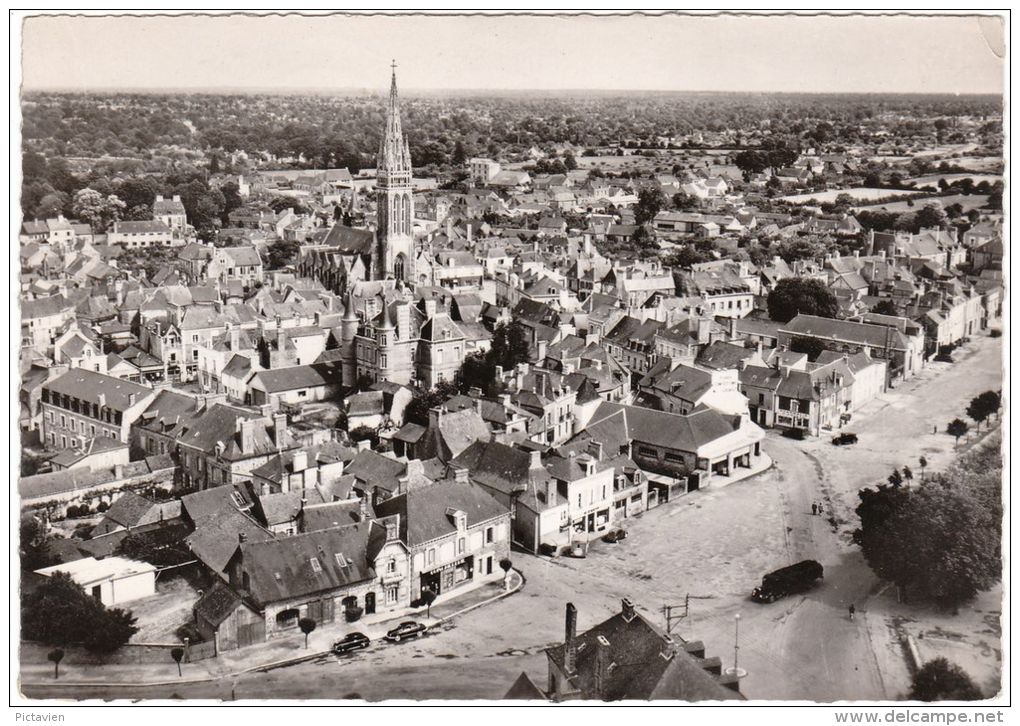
(714, 546)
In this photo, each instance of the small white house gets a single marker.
(112, 580)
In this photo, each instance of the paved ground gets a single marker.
(713, 545)
(159, 616)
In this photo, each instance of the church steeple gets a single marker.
(394, 154)
(393, 254)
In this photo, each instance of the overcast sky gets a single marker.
(673, 53)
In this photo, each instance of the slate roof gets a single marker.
(295, 377)
(280, 569)
(217, 603)
(724, 356)
(44, 307)
(349, 240)
(218, 523)
(88, 385)
(423, 512)
(844, 330)
(642, 663)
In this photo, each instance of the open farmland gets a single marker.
(862, 194)
(967, 201)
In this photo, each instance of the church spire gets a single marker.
(394, 155)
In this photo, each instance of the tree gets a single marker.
(896, 479)
(505, 564)
(509, 345)
(812, 347)
(59, 612)
(908, 474)
(885, 307)
(139, 213)
(793, 296)
(941, 680)
(281, 253)
(931, 215)
(34, 555)
(363, 433)
(957, 428)
(569, 161)
(55, 656)
(940, 542)
(307, 626)
(978, 410)
(422, 402)
(924, 463)
(477, 372)
(177, 654)
(92, 207)
(427, 598)
(650, 202)
(459, 154)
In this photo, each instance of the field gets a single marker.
(973, 201)
(932, 180)
(862, 194)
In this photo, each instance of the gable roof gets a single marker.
(424, 512)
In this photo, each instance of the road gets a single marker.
(713, 545)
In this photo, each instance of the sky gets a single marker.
(830, 54)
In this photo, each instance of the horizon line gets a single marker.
(371, 90)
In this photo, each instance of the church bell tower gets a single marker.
(393, 256)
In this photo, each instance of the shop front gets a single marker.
(443, 579)
(590, 524)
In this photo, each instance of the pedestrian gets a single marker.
(819, 508)
(814, 508)
(852, 611)
(935, 429)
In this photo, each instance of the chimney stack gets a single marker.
(363, 508)
(536, 461)
(627, 609)
(601, 666)
(279, 428)
(570, 641)
(300, 462)
(247, 435)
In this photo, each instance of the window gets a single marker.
(430, 558)
(340, 561)
(316, 565)
(391, 566)
(578, 500)
(392, 594)
(461, 543)
(236, 496)
(489, 535)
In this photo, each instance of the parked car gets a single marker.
(407, 629)
(615, 535)
(788, 581)
(844, 439)
(350, 642)
(794, 434)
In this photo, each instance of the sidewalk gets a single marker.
(275, 653)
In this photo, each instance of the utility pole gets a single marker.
(667, 611)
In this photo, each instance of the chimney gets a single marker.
(542, 347)
(363, 508)
(504, 400)
(393, 528)
(595, 449)
(132, 399)
(462, 476)
(550, 492)
(601, 666)
(242, 538)
(279, 428)
(430, 308)
(733, 328)
(536, 461)
(570, 641)
(247, 435)
(177, 197)
(704, 327)
(364, 445)
(627, 609)
(300, 462)
(235, 339)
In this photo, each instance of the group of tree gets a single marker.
(772, 155)
(983, 406)
(941, 680)
(794, 296)
(941, 541)
(59, 612)
(509, 347)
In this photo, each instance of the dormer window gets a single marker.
(316, 565)
(341, 561)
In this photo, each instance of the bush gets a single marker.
(353, 614)
(547, 549)
(940, 680)
(191, 632)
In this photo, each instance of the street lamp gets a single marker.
(736, 670)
